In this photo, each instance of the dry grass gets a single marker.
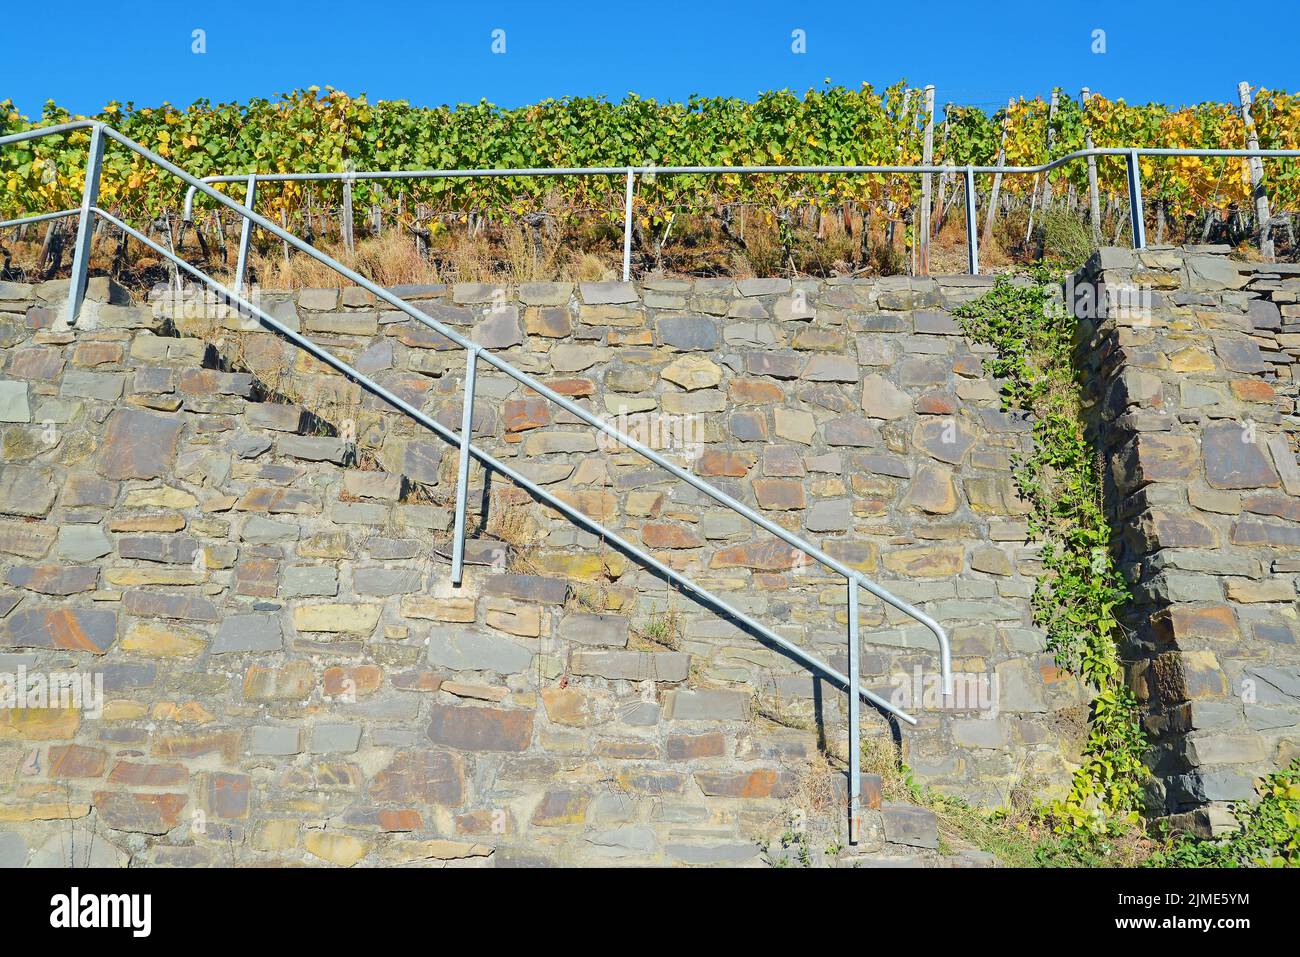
(516, 525)
(663, 630)
(812, 821)
(390, 259)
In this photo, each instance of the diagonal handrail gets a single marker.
(854, 579)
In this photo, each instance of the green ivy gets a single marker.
(1267, 835)
(1077, 599)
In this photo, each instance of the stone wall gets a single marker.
(253, 556)
(1195, 390)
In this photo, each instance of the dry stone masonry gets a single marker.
(250, 555)
(1196, 413)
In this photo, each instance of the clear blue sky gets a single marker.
(83, 53)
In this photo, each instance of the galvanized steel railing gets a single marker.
(1131, 156)
(100, 134)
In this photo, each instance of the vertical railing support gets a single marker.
(245, 236)
(349, 242)
(1136, 218)
(86, 224)
(462, 479)
(855, 730)
(627, 227)
(972, 231)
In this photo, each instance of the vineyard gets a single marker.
(311, 130)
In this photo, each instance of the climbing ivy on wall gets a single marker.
(1077, 599)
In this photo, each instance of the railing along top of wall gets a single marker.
(1130, 154)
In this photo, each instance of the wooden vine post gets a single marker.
(1051, 142)
(997, 177)
(1256, 174)
(347, 214)
(927, 157)
(943, 177)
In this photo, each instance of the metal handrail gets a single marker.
(89, 209)
(1132, 154)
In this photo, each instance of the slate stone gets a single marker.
(1240, 354)
(13, 402)
(1199, 787)
(499, 330)
(387, 581)
(168, 549)
(465, 649)
(909, 825)
(829, 516)
(763, 287)
(632, 665)
(831, 369)
(26, 491)
(82, 488)
(249, 446)
(589, 629)
(532, 588)
(778, 365)
(53, 579)
(82, 543)
(706, 705)
(1235, 457)
(13, 850)
(420, 460)
(182, 607)
(273, 416)
(421, 777)
(748, 426)
(946, 439)
(260, 530)
(712, 853)
(1264, 315)
(138, 445)
(313, 448)
(248, 633)
(79, 846)
(608, 293)
(931, 322)
(83, 384)
(881, 399)
(688, 333)
(335, 738)
(64, 629)
(1213, 273)
(300, 581)
(473, 728)
(852, 431)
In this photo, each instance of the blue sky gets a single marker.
(432, 53)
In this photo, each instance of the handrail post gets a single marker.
(627, 227)
(1136, 218)
(972, 234)
(462, 480)
(855, 730)
(245, 235)
(86, 224)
